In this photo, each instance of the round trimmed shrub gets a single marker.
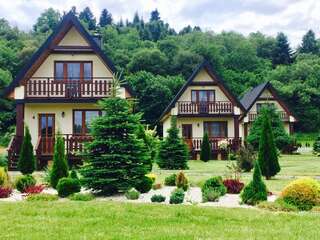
(132, 194)
(24, 182)
(144, 185)
(177, 196)
(170, 180)
(158, 198)
(303, 193)
(68, 186)
(216, 184)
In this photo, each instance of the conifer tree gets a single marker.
(309, 43)
(267, 156)
(105, 18)
(116, 158)
(60, 165)
(205, 154)
(87, 17)
(282, 53)
(256, 190)
(27, 162)
(173, 152)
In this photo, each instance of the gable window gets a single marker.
(264, 105)
(82, 120)
(73, 71)
(216, 129)
(203, 96)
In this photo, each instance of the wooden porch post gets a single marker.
(20, 119)
(291, 128)
(236, 126)
(245, 126)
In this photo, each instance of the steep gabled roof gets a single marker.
(251, 96)
(204, 65)
(68, 21)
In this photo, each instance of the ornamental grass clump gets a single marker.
(256, 190)
(304, 193)
(4, 178)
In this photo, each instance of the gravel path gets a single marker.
(192, 196)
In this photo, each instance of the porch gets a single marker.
(74, 144)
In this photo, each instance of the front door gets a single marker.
(46, 132)
(187, 134)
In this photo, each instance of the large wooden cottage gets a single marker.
(58, 89)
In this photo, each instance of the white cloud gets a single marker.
(294, 17)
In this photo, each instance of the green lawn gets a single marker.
(107, 220)
(292, 166)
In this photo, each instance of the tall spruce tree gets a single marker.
(155, 15)
(87, 17)
(309, 43)
(205, 154)
(105, 18)
(282, 53)
(173, 152)
(267, 156)
(116, 158)
(60, 166)
(26, 162)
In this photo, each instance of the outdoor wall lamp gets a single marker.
(63, 114)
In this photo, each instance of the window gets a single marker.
(73, 71)
(263, 105)
(202, 95)
(216, 129)
(82, 120)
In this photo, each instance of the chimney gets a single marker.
(97, 38)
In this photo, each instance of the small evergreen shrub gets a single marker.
(24, 182)
(214, 183)
(177, 196)
(278, 205)
(73, 174)
(245, 158)
(182, 181)
(81, 197)
(4, 178)
(5, 192)
(205, 154)
(152, 176)
(144, 185)
(132, 194)
(156, 186)
(68, 186)
(26, 162)
(170, 180)
(210, 195)
(158, 198)
(60, 165)
(316, 146)
(36, 189)
(42, 197)
(256, 190)
(303, 193)
(173, 151)
(234, 186)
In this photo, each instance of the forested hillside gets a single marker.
(156, 60)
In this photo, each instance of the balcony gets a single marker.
(283, 116)
(217, 144)
(205, 108)
(42, 87)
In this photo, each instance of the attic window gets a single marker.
(73, 71)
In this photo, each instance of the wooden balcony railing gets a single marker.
(217, 107)
(42, 87)
(283, 116)
(216, 143)
(73, 144)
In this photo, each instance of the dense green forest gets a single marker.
(156, 60)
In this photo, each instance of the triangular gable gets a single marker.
(73, 38)
(68, 21)
(196, 75)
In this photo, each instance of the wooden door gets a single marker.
(187, 134)
(46, 133)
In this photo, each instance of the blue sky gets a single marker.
(294, 17)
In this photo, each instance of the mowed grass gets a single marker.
(109, 220)
(292, 166)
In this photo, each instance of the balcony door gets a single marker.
(187, 134)
(46, 133)
(202, 98)
(73, 73)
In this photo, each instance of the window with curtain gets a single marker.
(202, 95)
(216, 129)
(82, 120)
(73, 71)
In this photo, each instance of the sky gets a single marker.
(293, 17)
